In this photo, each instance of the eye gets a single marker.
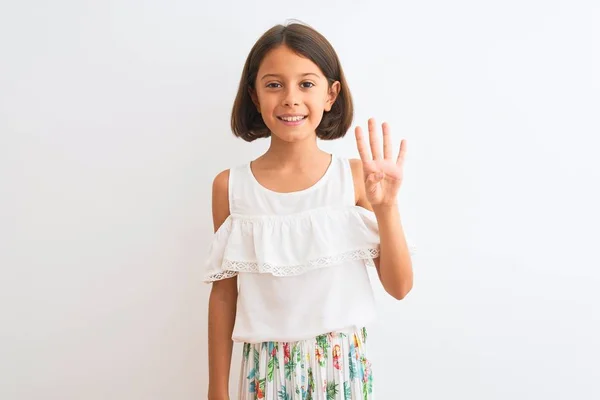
(307, 85)
(273, 85)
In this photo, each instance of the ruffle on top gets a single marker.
(288, 245)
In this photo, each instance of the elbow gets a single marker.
(399, 282)
(400, 292)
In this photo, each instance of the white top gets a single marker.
(300, 257)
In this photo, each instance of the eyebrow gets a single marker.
(279, 76)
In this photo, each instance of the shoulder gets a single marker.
(220, 198)
(221, 182)
(356, 166)
(359, 183)
(357, 174)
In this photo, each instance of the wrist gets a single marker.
(385, 210)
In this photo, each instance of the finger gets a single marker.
(387, 141)
(374, 140)
(363, 150)
(402, 153)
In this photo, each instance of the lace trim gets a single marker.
(231, 268)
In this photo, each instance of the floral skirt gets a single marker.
(332, 366)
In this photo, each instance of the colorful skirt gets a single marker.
(332, 366)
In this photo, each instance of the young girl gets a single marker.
(296, 228)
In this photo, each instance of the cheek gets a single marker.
(317, 106)
(268, 101)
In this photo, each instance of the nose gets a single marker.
(291, 97)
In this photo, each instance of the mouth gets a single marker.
(292, 118)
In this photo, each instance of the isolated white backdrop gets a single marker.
(114, 118)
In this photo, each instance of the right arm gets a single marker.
(221, 305)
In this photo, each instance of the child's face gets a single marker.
(291, 94)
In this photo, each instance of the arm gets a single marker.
(221, 306)
(394, 265)
(378, 177)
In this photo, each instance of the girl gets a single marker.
(295, 229)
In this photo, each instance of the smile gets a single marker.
(293, 119)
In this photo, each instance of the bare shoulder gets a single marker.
(356, 165)
(220, 198)
(359, 183)
(224, 289)
(221, 182)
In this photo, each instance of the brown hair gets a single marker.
(246, 121)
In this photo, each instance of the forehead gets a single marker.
(284, 61)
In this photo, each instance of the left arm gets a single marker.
(378, 178)
(394, 265)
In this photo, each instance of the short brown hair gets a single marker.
(246, 121)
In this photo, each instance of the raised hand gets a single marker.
(382, 172)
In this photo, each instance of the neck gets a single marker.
(293, 153)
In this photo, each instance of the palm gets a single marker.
(383, 172)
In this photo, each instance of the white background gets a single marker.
(114, 119)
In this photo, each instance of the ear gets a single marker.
(334, 91)
(254, 98)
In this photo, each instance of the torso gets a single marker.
(287, 221)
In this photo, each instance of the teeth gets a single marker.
(292, 119)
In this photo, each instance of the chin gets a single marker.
(292, 137)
